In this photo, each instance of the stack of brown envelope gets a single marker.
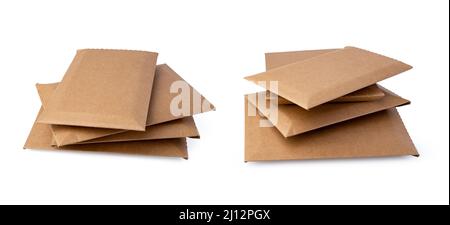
(115, 101)
(328, 104)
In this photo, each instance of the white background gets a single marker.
(213, 45)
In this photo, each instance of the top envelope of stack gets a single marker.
(105, 89)
(326, 75)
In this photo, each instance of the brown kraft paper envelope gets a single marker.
(161, 97)
(293, 120)
(104, 89)
(314, 81)
(375, 135)
(40, 137)
(159, 110)
(184, 127)
(277, 59)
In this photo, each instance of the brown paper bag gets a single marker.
(314, 81)
(40, 137)
(293, 120)
(104, 89)
(159, 111)
(375, 135)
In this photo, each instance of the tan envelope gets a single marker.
(293, 119)
(105, 89)
(40, 137)
(159, 110)
(277, 59)
(314, 81)
(375, 135)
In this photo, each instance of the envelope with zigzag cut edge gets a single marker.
(104, 88)
(277, 59)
